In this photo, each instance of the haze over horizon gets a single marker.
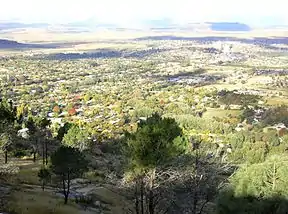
(129, 12)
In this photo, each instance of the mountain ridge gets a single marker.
(152, 24)
(12, 44)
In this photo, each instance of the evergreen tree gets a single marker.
(68, 163)
(63, 130)
(7, 129)
(45, 176)
(154, 144)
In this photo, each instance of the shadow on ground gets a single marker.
(228, 203)
(196, 78)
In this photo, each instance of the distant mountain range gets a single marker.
(4, 43)
(19, 25)
(10, 44)
(159, 24)
(228, 26)
(215, 26)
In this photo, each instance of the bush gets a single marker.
(8, 171)
(84, 201)
(248, 114)
(275, 115)
(231, 98)
(257, 188)
(229, 203)
(190, 122)
(95, 175)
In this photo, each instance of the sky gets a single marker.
(254, 12)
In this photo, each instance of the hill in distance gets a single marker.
(228, 26)
(10, 44)
(153, 24)
(166, 24)
(19, 25)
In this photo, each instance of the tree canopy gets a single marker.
(77, 138)
(155, 141)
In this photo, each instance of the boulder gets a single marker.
(97, 203)
(80, 181)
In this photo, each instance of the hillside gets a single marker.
(10, 44)
(228, 26)
(4, 43)
(17, 25)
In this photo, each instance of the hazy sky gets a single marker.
(129, 11)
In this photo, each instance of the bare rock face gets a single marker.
(80, 181)
(104, 199)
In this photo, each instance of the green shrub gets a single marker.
(260, 188)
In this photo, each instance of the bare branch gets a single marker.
(203, 205)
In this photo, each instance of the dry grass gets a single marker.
(93, 46)
(275, 101)
(36, 202)
(29, 174)
(28, 171)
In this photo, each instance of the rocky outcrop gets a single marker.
(104, 198)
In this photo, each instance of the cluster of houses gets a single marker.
(113, 75)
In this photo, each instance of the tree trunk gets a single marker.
(136, 197)
(195, 200)
(274, 178)
(68, 187)
(6, 157)
(46, 154)
(142, 194)
(43, 154)
(202, 207)
(195, 185)
(64, 190)
(43, 185)
(34, 156)
(151, 205)
(151, 202)
(35, 149)
(65, 198)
